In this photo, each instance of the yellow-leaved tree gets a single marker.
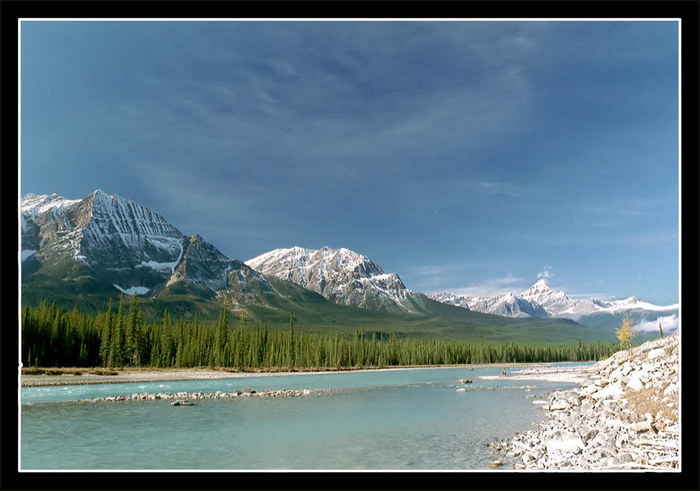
(626, 333)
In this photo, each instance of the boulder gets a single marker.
(558, 404)
(642, 426)
(611, 390)
(625, 457)
(181, 402)
(565, 441)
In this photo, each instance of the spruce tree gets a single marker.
(135, 335)
(106, 344)
(118, 340)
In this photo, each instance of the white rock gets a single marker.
(635, 382)
(558, 405)
(655, 353)
(610, 390)
(566, 441)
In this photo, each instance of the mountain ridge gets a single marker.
(92, 249)
(341, 276)
(551, 303)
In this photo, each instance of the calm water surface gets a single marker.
(402, 419)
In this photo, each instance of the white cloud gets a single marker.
(546, 274)
(668, 323)
(605, 297)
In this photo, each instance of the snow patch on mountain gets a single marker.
(26, 254)
(166, 266)
(138, 290)
(32, 205)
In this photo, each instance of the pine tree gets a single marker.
(135, 336)
(290, 352)
(106, 344)
(119, 338)
(167, 345)
(221, 338)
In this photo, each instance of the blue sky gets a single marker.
(466, 156)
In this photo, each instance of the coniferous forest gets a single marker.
(119, 337)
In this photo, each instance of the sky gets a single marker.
(467, 156)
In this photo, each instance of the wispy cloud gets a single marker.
(619, 212)
(599, 295)
(478, 140)
(490, 287)
(501, 188)
(546, 274)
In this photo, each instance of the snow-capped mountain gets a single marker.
(117, 244)
(540, 300)
(341, 276)
(452, 299)
(557, 304)
(115, 240)
(554, 302)
(505, 304)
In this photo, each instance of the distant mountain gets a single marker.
(540, 300)
(554, 302)
(87, 251)
(506, 304)
(341, 276)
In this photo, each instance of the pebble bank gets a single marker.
(183, 398)
(624, 416)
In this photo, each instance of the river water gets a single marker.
(412, 419)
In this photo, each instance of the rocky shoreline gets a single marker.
(183, 398)
(624, 416)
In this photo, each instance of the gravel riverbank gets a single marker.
(624, 415)
(83, 376)
(129, 376)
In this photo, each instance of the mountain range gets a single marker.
(540, 300)
(85, 251)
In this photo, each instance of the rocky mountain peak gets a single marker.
(340, 275)
(118, 240)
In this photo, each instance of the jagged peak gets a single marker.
(34, 204)
(98, 195)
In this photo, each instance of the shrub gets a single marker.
(626, 333)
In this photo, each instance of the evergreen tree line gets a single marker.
(122, 339)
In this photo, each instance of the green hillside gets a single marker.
(313, 313)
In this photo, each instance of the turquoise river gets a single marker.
(409, 419)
